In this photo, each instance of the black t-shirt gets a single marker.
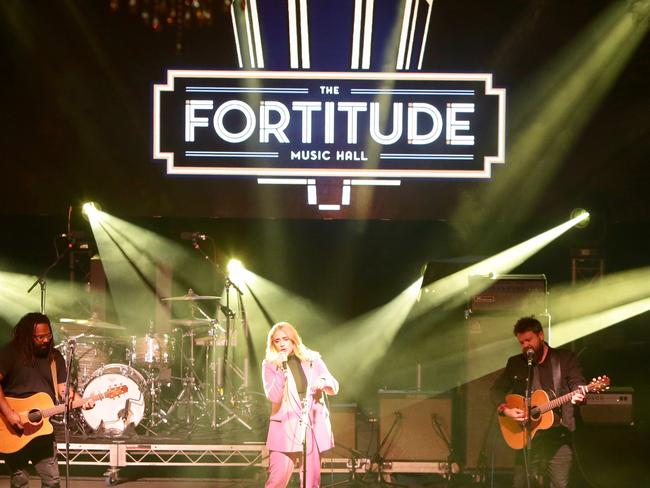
(298, 374)
(544, 378)
(20, 380)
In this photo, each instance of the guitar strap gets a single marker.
(557, 378)
(557, 374)
(54, 380)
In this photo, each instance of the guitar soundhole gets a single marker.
(35, 416)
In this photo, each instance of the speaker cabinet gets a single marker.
(484, 444)
(414, 426)
(343, 417)
(520, 294)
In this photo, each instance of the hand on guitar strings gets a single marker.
(13, 419)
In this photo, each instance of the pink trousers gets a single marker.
(281, 465)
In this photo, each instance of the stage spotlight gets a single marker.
(585, 217)
(91, 210)
(236, 271)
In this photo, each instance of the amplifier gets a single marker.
(343, 417)
(611, 407)
(415, 425)
(518, 293)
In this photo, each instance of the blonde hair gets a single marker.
(301, 351)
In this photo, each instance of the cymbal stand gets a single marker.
(218, 393)
(191, 393)
(158, 415)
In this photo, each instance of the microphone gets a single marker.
(193, 236)
(530, 354)
(284, 363)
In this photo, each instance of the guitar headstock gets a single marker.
(598, 384)
(116, 391)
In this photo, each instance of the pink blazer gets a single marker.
(284, 425)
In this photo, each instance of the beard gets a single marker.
(41, 351)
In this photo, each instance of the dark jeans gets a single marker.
(549, 460)
(41, 452)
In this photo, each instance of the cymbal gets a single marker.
(88, 323)
(190, 296)
(192, 322)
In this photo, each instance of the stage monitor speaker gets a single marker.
(409, 424)
(611, 407)
(343, 417)
(484, 445)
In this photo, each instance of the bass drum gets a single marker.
(113, 416)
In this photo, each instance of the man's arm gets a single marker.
(74, 396)
(501, 386)
(574, 378)
(12, 417)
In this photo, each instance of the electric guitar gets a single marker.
(541, 412)
(34, 412)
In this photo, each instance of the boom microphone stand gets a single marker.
(41, 280)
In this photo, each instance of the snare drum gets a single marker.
(150, 350)
(113, 415)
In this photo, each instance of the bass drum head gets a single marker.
(112, 416)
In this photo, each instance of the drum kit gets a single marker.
(157, 400)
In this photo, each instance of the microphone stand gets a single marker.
(66, 412)
(41, 280)
(304, 422)
(304, 418)
(526, 452)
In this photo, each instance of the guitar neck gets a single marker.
(556, 402)
(56, 409)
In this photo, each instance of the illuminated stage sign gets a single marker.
(317, 124)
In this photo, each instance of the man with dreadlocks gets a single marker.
(25, 369)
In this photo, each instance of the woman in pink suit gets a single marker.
(295, 379)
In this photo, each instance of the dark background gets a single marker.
(75, 125)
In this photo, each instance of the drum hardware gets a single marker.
(191, 394)
(192, 322)
(190, 296)
(92, 323)
(206, 388)
(214, 391)
(219, 373)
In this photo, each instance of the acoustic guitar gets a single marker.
(541, 412)
(34, 412)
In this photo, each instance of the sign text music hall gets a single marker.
(308, 124)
